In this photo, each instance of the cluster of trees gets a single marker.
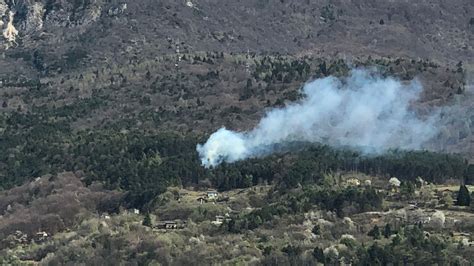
(279, 69)
(142, 164)
(52, 204)
(344, 202)
(470, 174)
(409, 245)
(433, 167)
(145, 164)
(341, 201)
(311, 164)
(399, 251)
(43, 139)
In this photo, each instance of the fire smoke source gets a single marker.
(363, 111)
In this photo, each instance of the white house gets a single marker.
(212, 194)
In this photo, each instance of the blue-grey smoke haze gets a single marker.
(364, 111)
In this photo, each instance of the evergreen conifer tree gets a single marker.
(464, 198)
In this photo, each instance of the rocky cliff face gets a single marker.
(32, 17)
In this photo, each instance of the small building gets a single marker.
(212, 194)
(421, 182)
(458, 236)
(20, 237)
(220, 219)
(353, 182)
(202, 200)
(169, 225)
(419, 217)
(464, 238)
(136, 211)
(41, 237)
(445, 192)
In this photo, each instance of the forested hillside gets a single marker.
(102, 105)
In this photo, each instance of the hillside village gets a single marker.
(185, 221)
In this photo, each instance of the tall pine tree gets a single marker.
(464, 198)
(375, 232)
(387, 231)
(147, 220)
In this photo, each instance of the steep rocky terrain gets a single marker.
(123, 54)
(113, 32)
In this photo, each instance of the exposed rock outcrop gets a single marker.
(3, 11)
(10, 33)
(3, 8)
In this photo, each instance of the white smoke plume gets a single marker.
(364, 111)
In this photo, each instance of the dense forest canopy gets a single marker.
(145, 164)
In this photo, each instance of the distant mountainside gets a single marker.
(202, 64)
(108, 32)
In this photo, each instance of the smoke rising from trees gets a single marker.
(364, 111)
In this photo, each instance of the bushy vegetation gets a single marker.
(127, 154)
(343, 202)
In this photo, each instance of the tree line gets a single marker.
(144, 164)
